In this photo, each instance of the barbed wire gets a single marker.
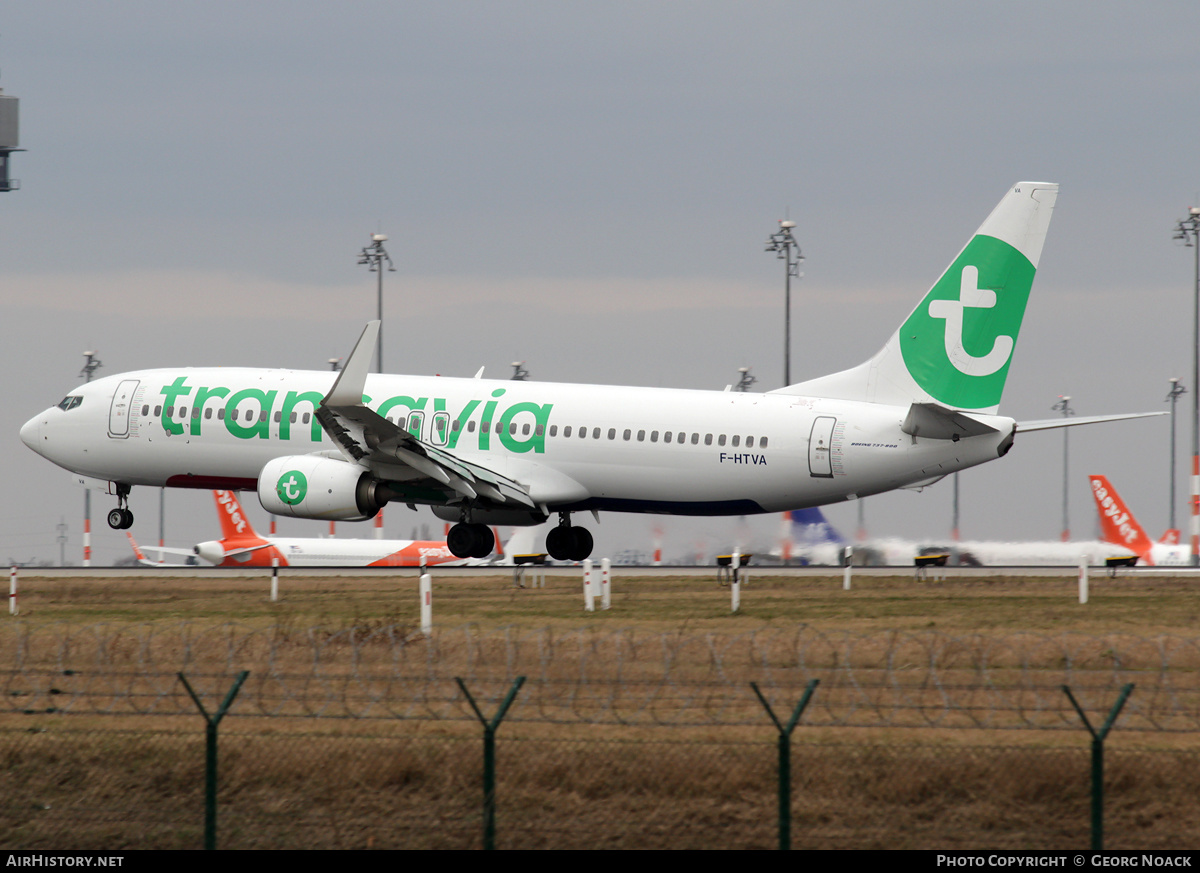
(876, 679)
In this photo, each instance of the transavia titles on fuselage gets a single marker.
(321, 445)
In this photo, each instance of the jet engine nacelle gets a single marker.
(308, 486)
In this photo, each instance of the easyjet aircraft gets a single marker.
(339, 446)
(1120, 528)
(240, 546)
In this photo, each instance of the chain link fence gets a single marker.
(363, 739)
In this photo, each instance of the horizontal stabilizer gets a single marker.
(936, 422)
(1051, 423)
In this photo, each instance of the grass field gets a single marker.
(128, 781)
(970, 604)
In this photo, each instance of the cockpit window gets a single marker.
(70, 402)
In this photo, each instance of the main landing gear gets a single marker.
(121, 518)
(567, 543)
(467, 540)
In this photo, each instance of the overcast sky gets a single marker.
(587, 187)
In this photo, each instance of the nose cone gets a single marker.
(31, 433)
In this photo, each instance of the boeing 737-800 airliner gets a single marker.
(339, 446)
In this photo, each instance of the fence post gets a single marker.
(489, 757)
(785, 759)
(1098, 761)
(12, 592)
(210, 753)
(589, 596)
(425, 590)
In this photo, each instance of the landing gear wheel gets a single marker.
(581, 543)
(483, 541)
(461, 540)
(120, 519)
(558, 543)
(566, 543)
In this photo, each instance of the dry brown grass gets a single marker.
(127, 780)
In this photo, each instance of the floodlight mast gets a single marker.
(1187, 230)
(374, 257)
(1064, 406)
(786, 249)
(91, 364)
(1177, 390)
(745, 380)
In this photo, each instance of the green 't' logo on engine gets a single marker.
(959, 342)
(291, 487)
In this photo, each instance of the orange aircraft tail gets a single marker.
(234, 523)
(1117, 522)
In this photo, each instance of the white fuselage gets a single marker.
(574, 447)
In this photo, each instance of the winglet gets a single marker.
(348, 389)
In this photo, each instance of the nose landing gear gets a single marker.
(121, 518)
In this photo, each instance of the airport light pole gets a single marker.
(1172, 396)
(91, 364)
(1187, 230)
(1064, 406)
(374, 257)
(786, 249)
(745, 380)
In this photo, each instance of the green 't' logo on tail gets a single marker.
(291, 487)
(958, 343)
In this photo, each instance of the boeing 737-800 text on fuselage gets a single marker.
(321, 445)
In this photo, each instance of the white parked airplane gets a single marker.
(339, 446)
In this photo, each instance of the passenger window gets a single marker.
(183, 412)
(653, 436)
(278, 416)
(195, 412)
(292, 418)
(525, 429)
(470, 427)
(641, 436)
(170, 412)
(708, 439)
(456, 426)
(540, 429)
(583, 433)
(221, 414)
(628, 434)
(208, 413)
(158, 410)
(487, 426)
(262, 416)
(595, 433)
(682, 438)
(554, 430)
(441, 428)
(567, 431)
(695, 439)
(734, 441)
(146, 409)
(306, 417)
(666, 436)
(749, 442)
(721, 440)
(762, 444)
(612, 433)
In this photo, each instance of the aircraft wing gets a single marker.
(1049, 423)
(392, 453)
